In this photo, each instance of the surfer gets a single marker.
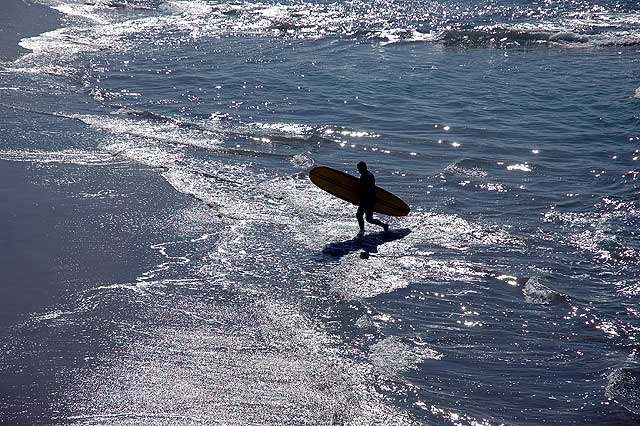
(367, 198)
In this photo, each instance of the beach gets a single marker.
(166, 259)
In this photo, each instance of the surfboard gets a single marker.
(346, 187)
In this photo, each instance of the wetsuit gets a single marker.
(367, 200)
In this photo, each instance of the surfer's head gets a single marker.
(362, 167)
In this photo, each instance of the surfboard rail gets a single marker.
(347, 188)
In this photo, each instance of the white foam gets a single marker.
(536, 292)
(616, 38)
(475, 172)
(451, 231)
(304, 199)
(406, 35)
(84, 11)
(623, 386)
(39, 69)
(193, 7)
(146, 154)
(274, 11)
(567, 36)
(50, 316)
(112, 36)
(200, 187)
(519, 167)
(446, 230)
(240, 201)
(260, 363)
(393, 357)
(67, 41)
(602, 19)
(302, 161)
(153, 130)
(362, 278)
(358, 276)
(66, 156)
(141, 288)
(293, 129)
(593, 231)
(372, 265)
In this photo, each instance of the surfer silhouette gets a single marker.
(367, 198)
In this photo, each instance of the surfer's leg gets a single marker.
(359, 215)
(371, 219)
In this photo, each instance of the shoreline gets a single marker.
(61, 237)
(126, 299)
(21, 19)
(69, 229)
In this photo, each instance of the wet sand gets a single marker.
(20, 19)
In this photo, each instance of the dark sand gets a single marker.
(65, 229)
(20, 19)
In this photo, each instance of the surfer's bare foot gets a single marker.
(361, 233)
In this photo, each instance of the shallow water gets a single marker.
(193, 274)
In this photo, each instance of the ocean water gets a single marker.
(167, 261)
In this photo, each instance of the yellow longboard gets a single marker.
(346, 187)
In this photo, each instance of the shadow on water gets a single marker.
(367, 243)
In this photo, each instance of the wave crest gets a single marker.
(623, 386)
(536, 292)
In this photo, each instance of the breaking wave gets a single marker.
(623, 386)
(536, 292)
(392, 356)
(476, 25)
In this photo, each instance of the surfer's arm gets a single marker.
(362, 188)
(367, 188)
